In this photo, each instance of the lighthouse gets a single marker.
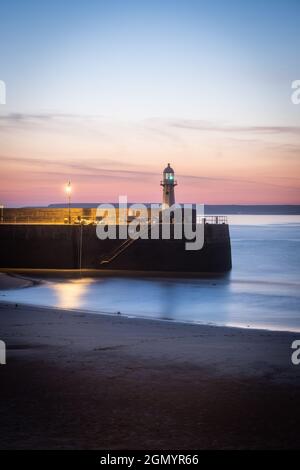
(168, 183)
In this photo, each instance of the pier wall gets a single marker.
(40, 246)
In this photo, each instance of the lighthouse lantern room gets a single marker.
(168, 183)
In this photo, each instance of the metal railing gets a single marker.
(168, 183)
(29, 221)
(207, 219)
(212, 219)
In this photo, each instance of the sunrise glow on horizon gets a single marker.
(106, 93)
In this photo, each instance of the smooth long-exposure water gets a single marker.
(262, 290)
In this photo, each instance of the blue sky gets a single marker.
(140, 59)
(130, 85)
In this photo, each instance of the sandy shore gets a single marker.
(14, 281)
(78, 380)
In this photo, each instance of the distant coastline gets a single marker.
(253, 209)
(238, 209)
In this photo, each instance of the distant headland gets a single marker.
(263, 209)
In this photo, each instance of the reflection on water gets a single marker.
(69, 294)
(261, 291)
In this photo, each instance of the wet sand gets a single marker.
(14, 281)
(75, 380)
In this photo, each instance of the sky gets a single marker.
(106, 93)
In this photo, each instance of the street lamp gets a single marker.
(68, 192)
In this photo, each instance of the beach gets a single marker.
(76, 380)
(8, 282)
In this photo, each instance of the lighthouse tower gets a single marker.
(168, 183)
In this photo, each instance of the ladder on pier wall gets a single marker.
(121, 248)
(117, 251)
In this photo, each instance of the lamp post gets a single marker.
(68, 192)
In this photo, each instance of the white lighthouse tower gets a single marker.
(168, 183)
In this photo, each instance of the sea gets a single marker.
(262, 290)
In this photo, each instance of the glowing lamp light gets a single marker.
(68, 192)
(68, 188)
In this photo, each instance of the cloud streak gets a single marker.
(132, 154)
(211, 127)
(83, 171)
(154, 124)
